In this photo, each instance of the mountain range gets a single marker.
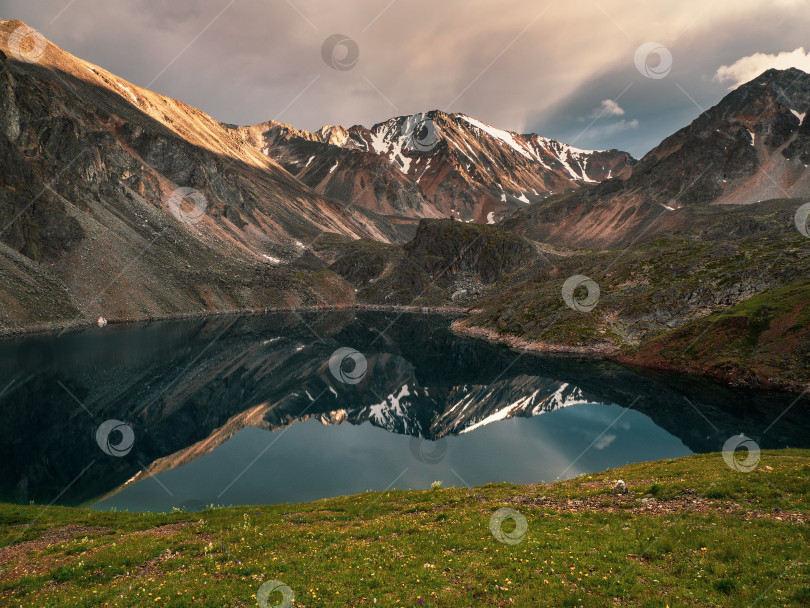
(120, 203)
(435, 165)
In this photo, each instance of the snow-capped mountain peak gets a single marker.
(436, 164)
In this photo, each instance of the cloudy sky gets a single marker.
(596, 74)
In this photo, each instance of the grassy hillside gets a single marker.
(690, 532)
(732, 279)
(764, 337)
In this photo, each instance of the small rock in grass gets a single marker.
(620, 487)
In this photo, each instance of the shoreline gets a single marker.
(605, 352)
(614, 354)
(65, 326)
(546, 348)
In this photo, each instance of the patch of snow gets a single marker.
(392, 148)
(799, 116)
(504, 136)
(311, 158)
(753, 137)
(558, 147)
(403, 161)
(564, 158)
(423, 170)
(378, 143)
(128, 90)
(566, 154)
(335, 167)
(503, 197)
(271, 259)
(523, 198)
(459, 149)
(491, 217)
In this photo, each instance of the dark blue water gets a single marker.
(275, 408)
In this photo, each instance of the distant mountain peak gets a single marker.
(752, 146)
(435, 164)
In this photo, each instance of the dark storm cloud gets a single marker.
(521, 65)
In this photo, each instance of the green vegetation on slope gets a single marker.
(749, 264)
(690, 532)
(766, 336)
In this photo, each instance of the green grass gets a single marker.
(656, 299)
(713, 537)
(764, 335)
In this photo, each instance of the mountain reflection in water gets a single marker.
(201, 397)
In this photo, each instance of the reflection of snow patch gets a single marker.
(534, 404)
(390, 409)
(604, 441)
(499, 415)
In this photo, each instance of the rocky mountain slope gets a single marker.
(447, 261)
(754, 145)
(118, 202)
(435, 164)
(133, 205)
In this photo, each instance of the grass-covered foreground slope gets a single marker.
(690, 532)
